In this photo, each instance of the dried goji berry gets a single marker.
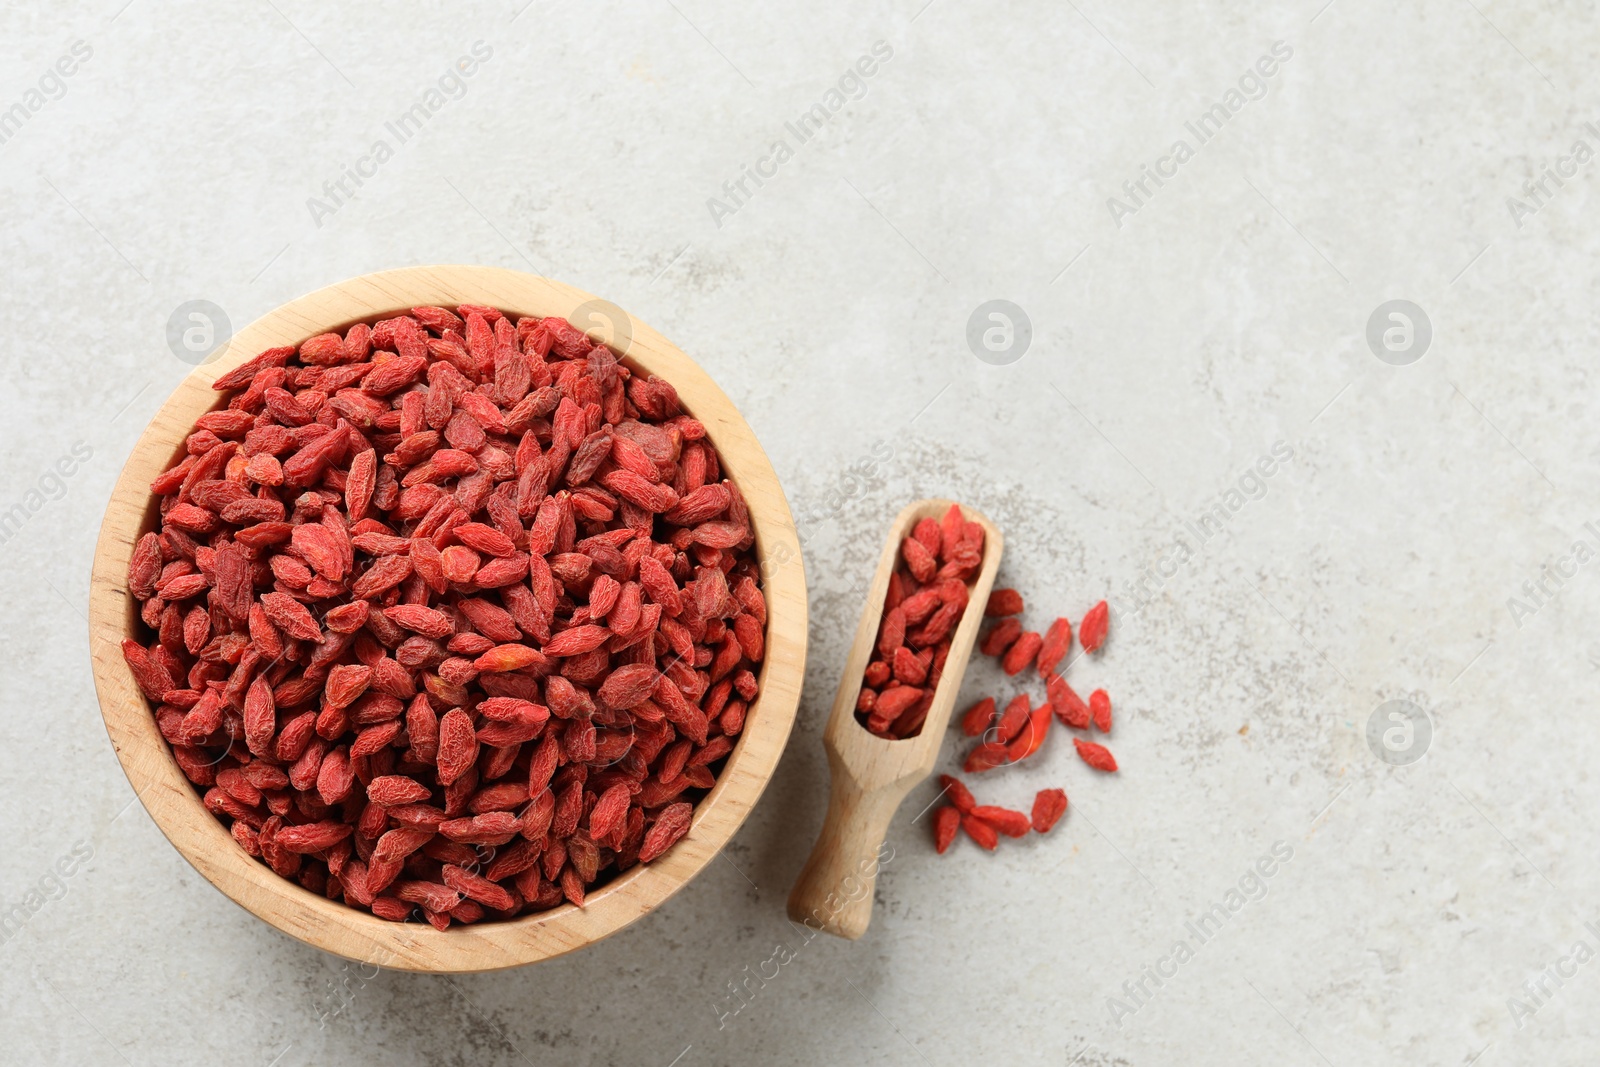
(980, 831)
(1000, 637)
(1097, 756)
(1021, 653)
(977, 718)
(395, 789)
(985, 757)
(1031, 737)
(957, 793)
(1067, 704)
(1011, 823)
(1048, 807)
(1003, 602)
(1092, 630)
(1013, 719)
(1100, 710)
(313, 837)
(1057, 640)
(946, 820)
(670, 825)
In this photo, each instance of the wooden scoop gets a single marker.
(871, 775)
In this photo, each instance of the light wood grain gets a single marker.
(171, 800)
(871, 775)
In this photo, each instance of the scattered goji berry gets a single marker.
(1100, 710)
(1092, 630)
(1097, 756)
(946, 820)
(1048, 807)
(1013, 719)
(1057, 640)
(984, 757)
(978, 718)
(1067, 704)
(1011, 823)
(981, 832)
(957, 792)
(1000, 637)
(1021, 653)
(1031, 737)
(1003, 602)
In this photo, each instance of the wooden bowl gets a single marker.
(336, 927)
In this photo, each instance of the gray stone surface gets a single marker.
(1225, 315)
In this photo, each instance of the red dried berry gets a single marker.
(1057, 640)
(1021, 653)
(1031, 737)
(951, 527)
(629, 686)
(610, 811)
(978, 717)
(877, 673)
(391, 790)
(1011, 823)
(1068, 705)
(313, 837)
(458, 745)
(956, 792)
(918, 559)
(1097, 756)
(1003, 602)
(1000, 637)
(985, 757)
(1100, 710)
(980, 831)
(670, 825)
(1013, 719)
(946, 821)
(476, 887)
(1092, 630)
(1048, 807)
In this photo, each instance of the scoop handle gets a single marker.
(835, 889)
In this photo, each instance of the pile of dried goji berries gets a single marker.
(1020, 730)
(451, 612)
(928, 592)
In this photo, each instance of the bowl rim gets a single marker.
(336, 927)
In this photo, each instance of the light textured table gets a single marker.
(1199, 325)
